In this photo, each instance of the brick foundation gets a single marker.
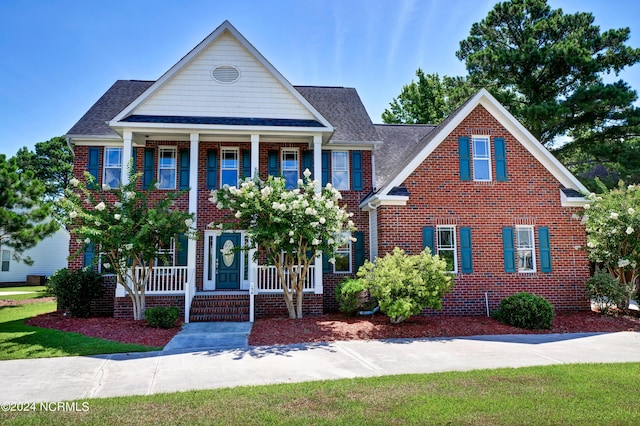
(103, 307)
(123, 308)
(272, 305)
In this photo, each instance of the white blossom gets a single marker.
(157, 185)
(106, 187)
(629, 230)
(332, 260)
(291, 233)
(106, 265)
(291, 241)
(322, 220)
(623, 262)
(188, 222)
(87, 241)
(128, 246)
(74, 182)
(631, 210)
(587, 206)
(306, 173)
(100, 206)
(117, 216)
(613, 215)
(73, 214)
(117, 205)
(315, 242)
(238, 214)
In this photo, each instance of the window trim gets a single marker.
(282, 164)
(5, 258)
(517, 248)
(222, 169)
(348, 251)
(174, 150)
(474, 158)
(106, 166)
(334, 170)
(453, 249)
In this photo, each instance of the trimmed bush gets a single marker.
(74, 290)
(525, 310)
(606, 291)
(352, 296)
(162, 316)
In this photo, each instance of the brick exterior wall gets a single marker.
(531, 196)
(123, 308)
(272, 305)
(103, 307)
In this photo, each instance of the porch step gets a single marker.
(223, 307)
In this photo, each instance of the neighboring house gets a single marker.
(478, 189)
(48, 256)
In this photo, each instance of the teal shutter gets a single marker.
(326, 266)
(465, 158)
(466, 253)
(246, 163)
(356, 169)
(273, 168)
(182, 250)
(545, 249)
(358, 250)
(428, 235)
(508, 250)
(326, 164)
(307, 161)
(501, 159)
(88, 255)
(147, 167)
(184, 169)
(93, 164)
(212, 169)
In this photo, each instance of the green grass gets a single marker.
(578, 394)
(35, 292)
(19, 341)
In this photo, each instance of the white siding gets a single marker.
(193, 92)
(48, 256)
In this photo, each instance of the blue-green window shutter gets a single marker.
(246, 163)
(307, 161)
(358, 250)
(508, 250)
(326, 266)
(184, 169)
(500, 155)
(326, 167)
(428, 238)
(147, 167)
(356, 168)
(182, 250)
(212, 169)
(545, 249)
(87, 255)
(466, 252)
(273, 167)
(93, 163)
(465, 158)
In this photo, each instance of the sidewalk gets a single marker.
(73, 378)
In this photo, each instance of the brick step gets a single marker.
(218, 317)
(212, 307)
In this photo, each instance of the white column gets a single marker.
(127, 151)
(317, 174)
(255, 154)
(193, 200)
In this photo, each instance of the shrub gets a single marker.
(162, 316)
(352, 296)
(404, 285)
(525, 310)
(74, 290)
(606, 292)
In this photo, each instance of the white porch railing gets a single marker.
(166, 279)
(269, 282)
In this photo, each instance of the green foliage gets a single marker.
(606, 291)
(74, 290)
(404, 285)
(25, 218)
(162, 316)
(429, 100)
(352, 296)
(525, 310)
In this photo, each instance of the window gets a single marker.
(525, 249)
(481, 158)
(4, 260)
(167, 169)
(290, 167)
(343, 254)
(112, 167)
(167, 255)
(446, 246)
(340, 170)
(229, 167)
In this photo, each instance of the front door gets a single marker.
(228, 261)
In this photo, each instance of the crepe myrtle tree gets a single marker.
(127, 227)
(289, 227)
(612, 222)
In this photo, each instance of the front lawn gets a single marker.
(29, 292)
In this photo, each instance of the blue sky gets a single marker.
(60, 56)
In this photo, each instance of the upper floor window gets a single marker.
(5, 260)
(112, 167)
(343, 255)
(446, 246)
(229, 167)
(167, 168)
(481, 158)
(525, 249)
(340, 170)
(290, 165)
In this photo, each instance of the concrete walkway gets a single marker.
(73, 378)
(210, 335)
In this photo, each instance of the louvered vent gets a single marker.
(225, 74)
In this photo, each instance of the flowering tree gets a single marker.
(289, 227)
(613, 234)
(127, 228)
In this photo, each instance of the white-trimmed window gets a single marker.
(229, 163)
(343, 255)
(526, 253)
(290, 166)
(446, 246)
(167, 255)
(167, 168)
(340, 170)
(5, 260)
(481, 158)
(112, 174)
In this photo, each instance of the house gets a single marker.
(478, 188)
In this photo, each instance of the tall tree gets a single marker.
(24, 215)
(429, 100)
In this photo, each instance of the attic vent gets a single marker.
(225, 74)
